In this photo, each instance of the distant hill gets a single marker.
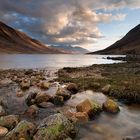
(14, 41)
(129, 44)
(72, 49)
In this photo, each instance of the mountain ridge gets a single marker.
(129, 44)
(15, 41)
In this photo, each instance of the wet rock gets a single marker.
(106, 89)
(46, 105)
(32, 110)
(24, 129)
(90, 107)
(9, 121)
(132, 138)
(25, 84)
(58, 100)
(2, 111)
(55, 127)
(3, 131)
(73, 88)
(19, 93)
(30, 100)
(42, 97)
(82, 116)
(111, 106)
(45, 85)
(64, 93)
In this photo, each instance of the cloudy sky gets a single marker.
(92, 24)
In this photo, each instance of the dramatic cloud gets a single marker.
(63, 21)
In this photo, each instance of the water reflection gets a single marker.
(51, 60)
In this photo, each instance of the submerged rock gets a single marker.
(90, 107)
(23, 130)
(55, 127)
(9, 121)
(73, 88)
(111, 106)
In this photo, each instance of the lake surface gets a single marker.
(52, 60)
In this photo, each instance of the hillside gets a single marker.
(129, 44)
(14, 41)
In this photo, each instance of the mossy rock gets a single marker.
(23, 130)
(9, 121)
(55, 127)
(111, 106)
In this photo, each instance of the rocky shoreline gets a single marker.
(33, 102)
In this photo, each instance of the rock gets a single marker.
(46, 105)
(73, 88)
(24, 130)
(58, 100)
(82, 116)
(45, 85)
(19, 93)
(42, 97)
(90, 107)
(132, 138)
(106, 89)
(2, 111)
(77, 116)
(30, 100)
(111, 106)
(9, 121)
(64, 93)
(3, 131)
(32, 110)
(25, 84)
(55, 127)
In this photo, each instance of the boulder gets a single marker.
(82, 116)
(42, 97)
(55, 127)
(3, 131)
(25, 84)
(106, 89)
(89, 107)
(32, 110)
(64, 93)
(132, 138)
(111, 106)
(19, 93)
(58, 100)
(45, 85)
(24, 129)
(30, 100)
(73, 88)
(9, 121)
(2, 111)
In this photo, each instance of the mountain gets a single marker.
(14, 41)
(71, 49)
(129, 44)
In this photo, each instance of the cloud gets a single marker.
(63, 21)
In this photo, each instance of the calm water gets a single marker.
(51, 61)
